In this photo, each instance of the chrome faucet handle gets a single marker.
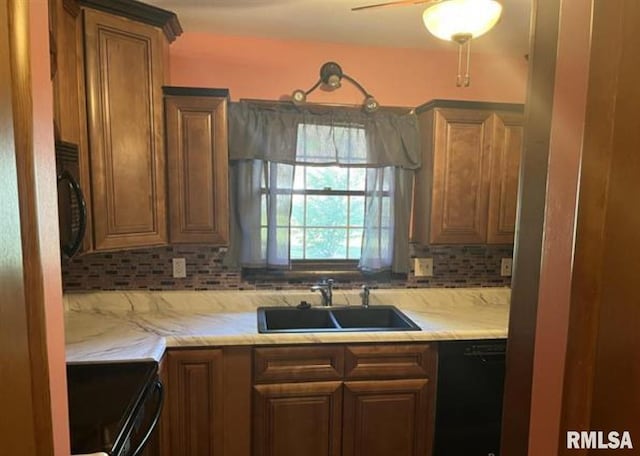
(329, 283)
(364, 295)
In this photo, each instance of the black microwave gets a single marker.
(72, 208)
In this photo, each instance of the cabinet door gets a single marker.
(197, 161)
(196, 402)
(383, 418)
(124, 69)
(505, 170)
(296, 419)
(461, 160)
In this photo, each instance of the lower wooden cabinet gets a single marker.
(208, 403)
(298, 419)
(380, 404)
(383, 418)
(312, 400)
(196, 421)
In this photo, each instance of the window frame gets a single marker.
(337, 264)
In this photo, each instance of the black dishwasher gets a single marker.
(469, 397)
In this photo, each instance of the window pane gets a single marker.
(325, 210)
(297, 244)
(355, 244)
(326, 243)
(298, 178)
(388, 178)
(283, 244)
(283, 214)
(282, 175)
(386, 212)
(263, 210)
(356, 211)
(263, 242)
(297, 210)
(357, 178)
(322, 177)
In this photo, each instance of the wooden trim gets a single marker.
(140, 12)
(528, 243)
(602, 290)
(462, 104)
(72, 7)
(237, 387)
(18, 434)
(30, 266)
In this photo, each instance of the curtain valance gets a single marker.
(348, 137)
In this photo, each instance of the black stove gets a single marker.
(113, 407)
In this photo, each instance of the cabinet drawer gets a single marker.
(281, 364)
(389, 361)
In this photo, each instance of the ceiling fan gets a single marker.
(453, 20)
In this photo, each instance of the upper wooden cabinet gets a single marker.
(70, 115)
(466, 189)
(505, 169)
(124, 68)
(197, 163)
(108, 66)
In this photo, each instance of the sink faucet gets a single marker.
(364, 295)
(325, 287)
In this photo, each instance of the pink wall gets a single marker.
(48, 220)
(555, 279)
(269, 69)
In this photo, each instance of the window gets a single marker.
(327, 213)
(327, 201)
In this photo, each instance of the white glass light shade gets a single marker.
(473, 18)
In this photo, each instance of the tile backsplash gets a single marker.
(151, 269)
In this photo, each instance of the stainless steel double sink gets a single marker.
(333, 319)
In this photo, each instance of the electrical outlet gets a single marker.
(505, 267)
(179, 268)
(423, 267)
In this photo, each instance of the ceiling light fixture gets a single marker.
(454, 20)
(461, 21)
(331, 76)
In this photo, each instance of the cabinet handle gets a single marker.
(71, 248)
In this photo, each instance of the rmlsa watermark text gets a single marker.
(599, 440)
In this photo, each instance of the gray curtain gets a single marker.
(265, 144)
(270, 133)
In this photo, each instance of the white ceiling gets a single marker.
(332, 20)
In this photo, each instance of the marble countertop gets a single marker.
(136, 325)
